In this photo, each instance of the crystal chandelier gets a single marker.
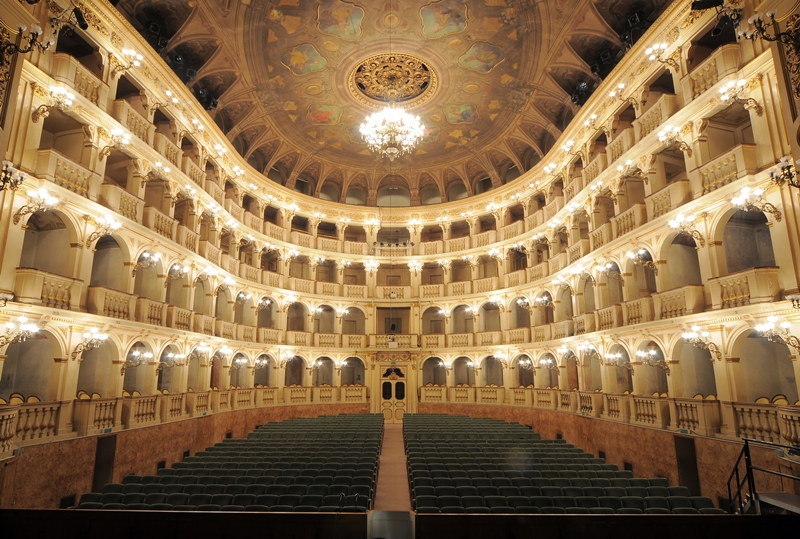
(392, 132)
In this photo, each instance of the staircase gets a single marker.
(746, 498)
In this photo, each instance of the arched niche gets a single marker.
(766, 369)
(592, 372)
(464, 371)
(393, 196)
(147, 283)
(463, 319)
(223, 309)
(197, 359)
(520, 313)
(747, 241)
(563, 304)
(548, 371)
(324, 319)
(683, 263)
(651, 377)
(47, 243)
(543, 311)
(356, 196)
(322, 372)
(179, 290)
(244, 309)
(489, 317)
(621, 375)
(215, 375)
(239, 367)
(137, 360)
(265, 364)
(294, 372)
(697, 371)
(353, 372)
(108, 265)
(296, 317)
(29, 366)
(586, 291)
(456, 191)
(430, 195)
(492, 371)
(434, 372)
(354, 322)
(643, 281)
(202, 300)
(523, 365)
(167, 370)
(267, 312)
(433, 323)
(97, 371)
(570, 362)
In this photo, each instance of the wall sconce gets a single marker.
(631, 170)
(550, 168)
(200, 352)
(548, 364)
(653, 359)
(615, 360)
(176, 272)
(778, 332)
(501, 356)
(197, 127)
(261, 363)
(642, 258)
(544, 300)
(445, 312)
(286, 355)
(591, 121)
(341, 312)
(733, 92)
(700, 339)
(288, 300)
(119, 139)
(655, 54)
(524, 302)
(19, 331)
(562, 284)
(415, 266)
(790, 38)
(161, 171)
(262, 304)
(372, 222)
(669, 136)
(617, 94)
(289, 254)
(60, 98)
(146, 261)
(38, 200)
(91, 339)
(444, 264)
(238, 363)
(786, 173)
(315, 261)
(568, 146)
(342, 264)
(171, 360)
(133, 59)
(589, 352)
(207, 273)
(224, 352)
(136, 358)
(684, 223)
(220, 149)
(795, 299)
(231, 225)
(497, 300)
(226, 283)
(525, 364)
(11, 177)
(171, 100)
(471, 260)
(242, 297)
(371, 265)
(9, 48)
(106, 226)
(238, 171)
(752, 200)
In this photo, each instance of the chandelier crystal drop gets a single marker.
(392, 132)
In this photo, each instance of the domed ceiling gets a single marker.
(289, 81)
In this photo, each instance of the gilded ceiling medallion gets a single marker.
(395, 77)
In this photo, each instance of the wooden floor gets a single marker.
(392, 492)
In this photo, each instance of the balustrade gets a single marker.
(722, 62)
(111, 303)
(168, 149)
(688, 299)
(671, 197)
(178, 318)
(542, 333)
(119, 200)
(590, 404)
(39, 287)
(150, 312)
(545, 398)
(490, 395)
(67, 70)
(623, 142)
(325, 394)
(736, 163)
(484, 238)
(298, 338)
(36, 422)
(637, 311)
(173, 407)
(757, 421)
(629, 220)
(202, 323)
(609, 317)
(209, 251)
(461, 395)
(695, 416)
(653, 117)
(198, 404)
(459, 339)
(601, 235)
(129, 117)
(585, 323)
(224, 329)
(432, 394)
(650, 411)
(268, 336)
(140, 411)
(754, 285)
(187, 238)
(487, 284)
(158, 222)
(518, 335)
(329, 290)
(56, 168)
(96, 416)
(616, 407)
(459, 289)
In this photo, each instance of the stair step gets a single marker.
(784, 500)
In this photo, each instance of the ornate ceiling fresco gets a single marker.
(293, 80)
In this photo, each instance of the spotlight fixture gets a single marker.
(80, 20)
(701, 5)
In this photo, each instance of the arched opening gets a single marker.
(564, 304)
(217, 362)
(492, 372)
(570, 362)
(434, 372)
(456, 191)
(147, 283)
(46, 245)
(548, 372)
(524, 369)
(747, 242)
(520, 313)
(464, 371)
(489, 317)
(170, 360)
(108, 265)
(543, 309)
(683, 264)
(393, 196)
(644, 274)
(294, 372)
(324, 319)
(430, 195)
(766, 368)
(463, 319)
(28, 367)
(197, 357)
(97, 372)
(353, 322)
(296, 317)
(353, 372)
(322, 372)
(267, 313)
(178, 286)
(356, 196)
(592, 372)
(224, 306)
(697, 371)
(433, 323)
(265, 364)
(137, 361)
(653, 374)
(621, 375)
(588, 294)
(238, 368)
(329, 191)
(244, 311)
(201, 303)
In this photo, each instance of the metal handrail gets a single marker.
(749, 477)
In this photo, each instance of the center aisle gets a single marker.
(392, 492)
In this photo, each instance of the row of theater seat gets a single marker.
(507, 468)
(275, 471)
